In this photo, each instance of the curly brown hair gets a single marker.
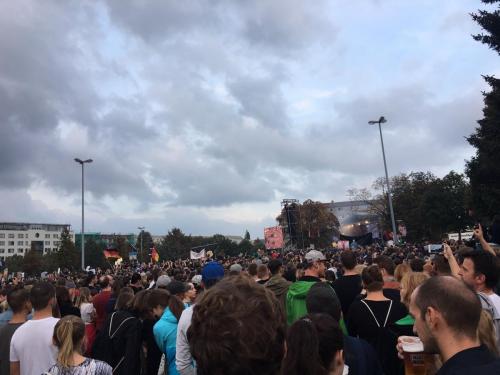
(237, 327)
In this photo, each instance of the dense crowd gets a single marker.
(301, 312)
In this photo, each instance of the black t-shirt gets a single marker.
(477, 361)
(347, 288)
(6, 333)
(360, 322)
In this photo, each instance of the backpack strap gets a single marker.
(112, 335)
(374, 317)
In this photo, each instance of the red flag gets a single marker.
(111, 253)
(155, 257)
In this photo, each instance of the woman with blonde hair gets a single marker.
(486, 332)
(69, 337)
(401, 270)
(409, 282)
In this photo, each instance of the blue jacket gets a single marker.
(165, 332)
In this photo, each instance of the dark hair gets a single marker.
(140, 304)
(322, 299)
(62, 295)
(17, 298)
(441, 265)
(41, 293)
(161, 297)
(312, 342)
(124, 300)
(372, 278)
(348, 259)
(386, 263)
(135, 278)
(486, 264)
(238, 327)
(104, 282)
(252, 269)
(417, 265)
(274, 266)
(445, 294)
(330, 276)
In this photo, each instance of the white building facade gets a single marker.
(19, 238)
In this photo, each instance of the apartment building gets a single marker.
(19, 238)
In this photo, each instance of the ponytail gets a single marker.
(69, 333)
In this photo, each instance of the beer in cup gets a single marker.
(414, 357)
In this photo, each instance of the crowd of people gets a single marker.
(302, 312)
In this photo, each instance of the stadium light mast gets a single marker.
(381, 121)
(82, 163)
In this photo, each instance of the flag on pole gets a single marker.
(111, 253)
(198, 255)
(155, 257)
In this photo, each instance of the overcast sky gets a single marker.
(205, 114)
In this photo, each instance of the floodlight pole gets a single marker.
(380, 121)
(82, 163)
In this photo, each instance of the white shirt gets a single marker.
(32, 346)
(86, 311)
(495, 300)
(183, 358)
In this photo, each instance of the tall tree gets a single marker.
(310, 223)
(68, 256)
(175, 245)
(483, 169)
(145, 240)
(32, 263)
(247, 235)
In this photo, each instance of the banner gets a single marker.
(199, 255)
(273, 237)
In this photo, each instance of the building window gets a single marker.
(47, 242)
(2, 243)
(20, 251)
(2, 235)
(55, 236)
(27, 243)
(2, 251)
(11, 251)
(56, 243)
(20, 235)
(48, 250)
(47, 235)
(20, 243)
(11, 243)
(11, 235)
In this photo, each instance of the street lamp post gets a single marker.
(380, 121)
(82, 163)
(142, 236)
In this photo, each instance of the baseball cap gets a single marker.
(235, 268)
(212, 271)
(196, 279)
(162, 281)
(314, 255)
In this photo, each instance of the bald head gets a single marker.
(459, 305)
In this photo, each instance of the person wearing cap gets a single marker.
(235, 269)
(297, 292)
(211, 273)
(359, 356)
(162, 282)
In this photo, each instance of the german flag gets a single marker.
(155, 257)
(111, 253)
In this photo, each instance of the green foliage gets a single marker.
(247, 235)
(483, 169)
(312, 223)
(94, 256)
(67, 255)
(32, 263)
(14, 263)
(143, 245)
(430, 206)
(175, 245)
